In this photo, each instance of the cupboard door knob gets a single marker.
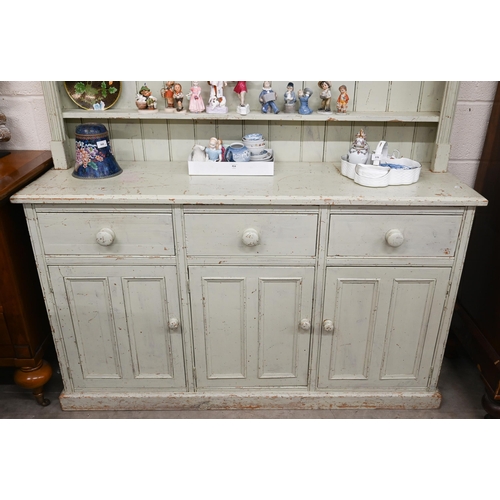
(328, 325)
(305, 324)
(250, 237)
(173, 323)
(105, 237)
(394, 237)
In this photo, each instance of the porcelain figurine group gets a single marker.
(173, 95)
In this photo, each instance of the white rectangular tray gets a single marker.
(231, 168)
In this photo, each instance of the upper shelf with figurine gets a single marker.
(313, 101)
(302, 121)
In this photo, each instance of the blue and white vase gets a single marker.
(94, 158)
(237, 152)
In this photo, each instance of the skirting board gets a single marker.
(407, 400)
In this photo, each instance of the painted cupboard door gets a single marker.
(120, 325)
(251, 325)
(385, 324)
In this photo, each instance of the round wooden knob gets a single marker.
(105, 237)
(173, 323)
(250, 237)
(394, 237)
(328, 325)
(305, 324)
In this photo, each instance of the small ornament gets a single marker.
(241, 89)
(178, 98)
(145, 101)
(214, 149)
(196, 104)
(360, 149)
(304, 95)
(267, 98)
(342, 100)
(167, 92)
(325, 96)
(217, 101)
(290, 98)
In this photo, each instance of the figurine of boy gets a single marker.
(267, 98)
(304, 95)
(145, 101)
(290, 98)
(325, 96)
(342, 100)
(178, 97)
(167, 93)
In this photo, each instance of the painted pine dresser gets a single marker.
(300, 290)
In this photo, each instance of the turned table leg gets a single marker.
(491, 406)
(34, 378)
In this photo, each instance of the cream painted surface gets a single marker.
(115, 325)
(134, 233)
(222, 234)
(365, 235)
(246, 325)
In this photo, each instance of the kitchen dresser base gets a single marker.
(394, 400)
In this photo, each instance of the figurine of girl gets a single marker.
(241, 89)
(167, 93)
(196, 104)
(304, 96)
(214, 149)
(178, 97)
(267, 97)
(217, 101)
(290, 98)
(325, 96)
(342, 100)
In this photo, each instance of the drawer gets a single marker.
(396, 235)
(228, 234)
(122, 233)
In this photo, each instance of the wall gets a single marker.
(23, 104)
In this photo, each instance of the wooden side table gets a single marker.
(24, 326)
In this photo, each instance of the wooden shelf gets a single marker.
(373, 116)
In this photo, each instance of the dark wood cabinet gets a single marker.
(24, 326)
(476, 322)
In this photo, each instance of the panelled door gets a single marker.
(120, 325)
(251, 325)
(385, 325)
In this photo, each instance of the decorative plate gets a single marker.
(93, 95)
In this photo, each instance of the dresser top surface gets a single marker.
(292, 184)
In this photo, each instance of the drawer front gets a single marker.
(226, 234)
(118, 233)
(398, 235)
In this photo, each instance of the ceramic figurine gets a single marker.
(304, 95)
(241, 89)
(213, 151)
(360, 149)
(290, 98)
(4, 131)
(325, 96)
(145, 101)
(267, 98)
(178, 98)
(342, 100)
(167, 93)
(217, 101)
(198, 153)
(196, 104)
